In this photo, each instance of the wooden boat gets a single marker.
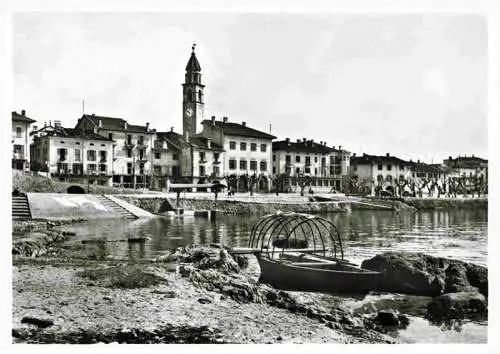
(276, 240)
(319, 275)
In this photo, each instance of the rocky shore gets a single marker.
(205, 295)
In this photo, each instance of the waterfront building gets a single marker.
(21, 140)
(247, 157)
(322, 167)
(468, 166)
(72, 155)
(377, 173)
(194, 159)
(132, 154)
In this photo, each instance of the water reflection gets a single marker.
(460, 234)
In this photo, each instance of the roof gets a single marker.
(21, 118)
(466, 162)
(177, 140)
(230, 128)
(70, 133)
(424, 167)
(303, 146)
(370, 159)
(193, 64)
(111, 123)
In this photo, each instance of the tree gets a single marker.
(252, 181)
(303, 182)
(279, 181)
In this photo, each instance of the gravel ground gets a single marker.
(76, 304)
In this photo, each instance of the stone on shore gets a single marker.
(424, 275)
(457, 306)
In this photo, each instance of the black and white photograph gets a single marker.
(215, 175)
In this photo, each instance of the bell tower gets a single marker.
(193, 96)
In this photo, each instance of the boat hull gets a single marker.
(323, 278)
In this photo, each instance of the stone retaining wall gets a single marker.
(447, 203)
(161, 205)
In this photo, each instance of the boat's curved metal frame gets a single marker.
(315, 230)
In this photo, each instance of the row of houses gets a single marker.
(112, 151)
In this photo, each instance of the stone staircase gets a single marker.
(111, 205)
(20, 208)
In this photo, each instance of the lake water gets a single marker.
(458, 234)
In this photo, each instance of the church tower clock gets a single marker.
(193, 96)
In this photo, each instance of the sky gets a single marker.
(412, 85)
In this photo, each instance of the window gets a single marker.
(253, 165)
(243, 146)
(61, 142)
(379, 167)
(263, 166)
(102, 167)
(401, 167)
(157, 155)
(315, 171)
(129, 168)
(320, 183)
(388, 178)
(232, 164)
(103, 156)
(274, 157)
(216, 170)
(91, 155)
(288, 170)
(307, 170)
(201, 170)
(323, 161)
(129, 139)
(129, 152)
(243, 164)
(216, 156)
(380, 178)
(18, 149)
(141, 168)
(77, 168)
(315, 159)
(297, 158)
(103, 145)
(288, 158)
(308, 160)
(232, 145)
(19, 132)
(389, 167)
(141, 140)
(77, 143)
(91, 144)
(253, 147)
(110, 136)
(91, 167)
(297, 170)
(263, 147)
(175, 157)
(274, 170)
(141, 155)
(77, 155)
(157, 170)
(62, 154)
(202, 156)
